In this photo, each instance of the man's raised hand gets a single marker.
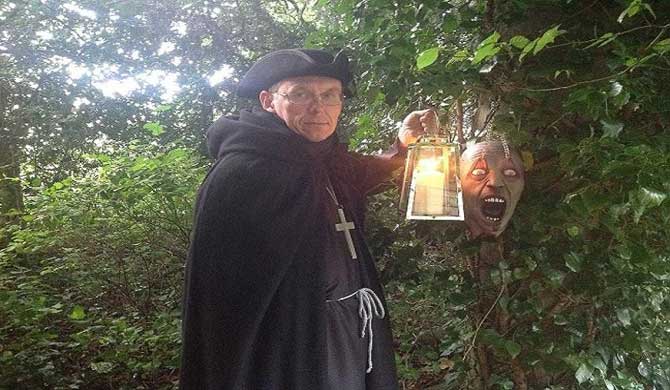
(416, 124)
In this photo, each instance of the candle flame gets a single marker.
(426, 165)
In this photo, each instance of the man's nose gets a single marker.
(316, 104)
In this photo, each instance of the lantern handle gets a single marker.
(437, 124)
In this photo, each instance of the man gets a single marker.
(281, 291)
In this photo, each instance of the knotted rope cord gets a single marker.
(369, 305)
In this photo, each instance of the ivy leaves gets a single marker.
(611, 128)
(645, 199)
(487, 49)
(427, 57)
(491, 46)
(77, 313)
(536, 45)
(154, 128)
(634, 7)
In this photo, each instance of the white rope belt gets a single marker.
(369, 306)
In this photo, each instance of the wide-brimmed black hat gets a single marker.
(287, 63)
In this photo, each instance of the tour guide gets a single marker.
(281, 290)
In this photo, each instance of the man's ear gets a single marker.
(265, 97)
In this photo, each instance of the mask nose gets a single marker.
(495, 179)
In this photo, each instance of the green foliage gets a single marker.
(585, 271)
(154, 128)
(487, 49)
(90, 269)
(427, 57)
(602, 259)
(90, 283)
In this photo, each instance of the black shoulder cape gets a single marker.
(254, 298)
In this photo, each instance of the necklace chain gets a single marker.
(331, 192)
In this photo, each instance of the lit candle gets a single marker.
(429, 188)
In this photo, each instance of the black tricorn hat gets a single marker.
(283, 64)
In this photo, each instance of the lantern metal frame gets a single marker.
(407, 197)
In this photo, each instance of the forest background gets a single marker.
(103, 108)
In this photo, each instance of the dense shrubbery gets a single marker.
(91, 268)
(90, 282)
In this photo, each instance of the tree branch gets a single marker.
(459, 123)
(577, 84)
(616, 35)
(481, 322)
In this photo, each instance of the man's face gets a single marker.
(492, 185)
(315, 121)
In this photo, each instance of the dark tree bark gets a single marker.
(10, 187)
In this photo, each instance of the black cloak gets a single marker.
(255, 289)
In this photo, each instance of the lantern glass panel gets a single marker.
(431, 188)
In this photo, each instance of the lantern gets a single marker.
(431, 188)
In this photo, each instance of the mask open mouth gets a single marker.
(493, 208)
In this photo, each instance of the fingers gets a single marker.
(418, 123)
(429, 121)
(423, 112)
(415, 116)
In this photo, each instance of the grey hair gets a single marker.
(274, 87)
(480, 149)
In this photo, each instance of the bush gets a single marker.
(90, 284)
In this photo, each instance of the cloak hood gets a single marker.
(263, 133)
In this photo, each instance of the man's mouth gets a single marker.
(493, 208)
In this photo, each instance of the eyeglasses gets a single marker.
(330, 98)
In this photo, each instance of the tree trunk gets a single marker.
(490, 315)
(11, 195)
(10, 187)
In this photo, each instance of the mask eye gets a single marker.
(478, 172)
(510, 172)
